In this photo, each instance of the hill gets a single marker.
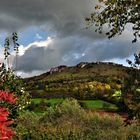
(79, 81)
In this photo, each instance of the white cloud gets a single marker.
(40, 43)
(44, 43)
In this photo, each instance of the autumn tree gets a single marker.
(114, 16)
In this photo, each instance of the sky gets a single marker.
(53, 33)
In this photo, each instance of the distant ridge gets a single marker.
(79, 65)
(61, 80)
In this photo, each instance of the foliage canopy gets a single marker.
(116, 14)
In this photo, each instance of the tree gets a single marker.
(9, 81)
(116, 15)
(131, 90)
(13, 98)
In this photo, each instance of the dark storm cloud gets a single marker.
(65, 19)
(70, 51)
(62, 16)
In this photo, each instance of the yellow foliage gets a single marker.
(92, 86)
(107, 87)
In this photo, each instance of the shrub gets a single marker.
(5, 131)
(13, 84)
(39, 107)
(69, 121)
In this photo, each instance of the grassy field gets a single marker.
(87, 104)
(98, 104)
(52, 102)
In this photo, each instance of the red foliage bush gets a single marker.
(5, 131)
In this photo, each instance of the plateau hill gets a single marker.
(80, 81)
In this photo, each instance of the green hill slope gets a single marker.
(84, 80)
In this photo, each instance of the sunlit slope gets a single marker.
(60, 81)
